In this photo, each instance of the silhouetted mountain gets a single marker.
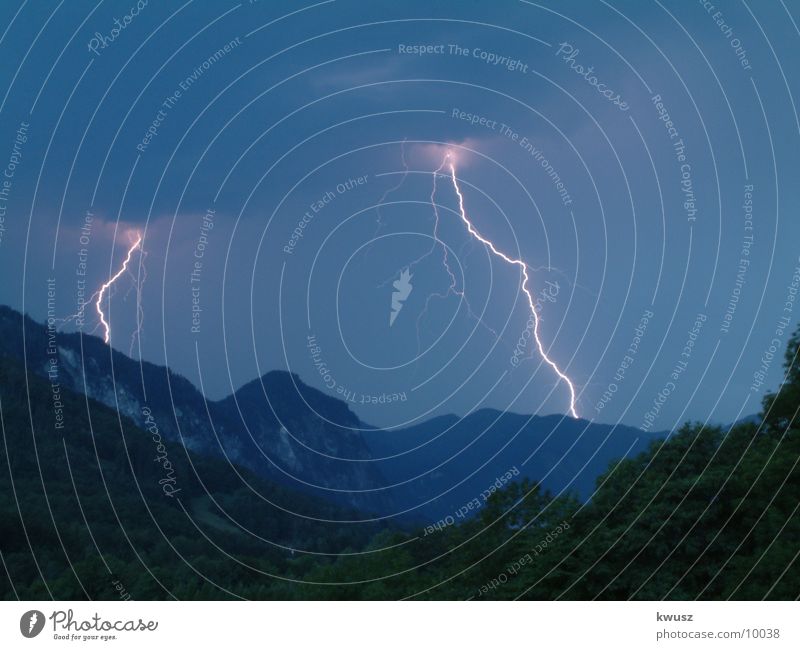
(275, 426)
(86, 513)
(448, 461)
(87, 499)
(295, 435)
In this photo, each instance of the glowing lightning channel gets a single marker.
(138, 281)
(111, 281)
(453, 288)
(474, 232)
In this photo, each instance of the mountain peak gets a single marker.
(284, 393)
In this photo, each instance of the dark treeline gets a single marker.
(710, 512)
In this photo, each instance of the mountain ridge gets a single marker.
(254, 440)
(298, 436)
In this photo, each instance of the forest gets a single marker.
(709, 512)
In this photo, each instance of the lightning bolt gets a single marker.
(102, 291)
(453, 288)
(97, 296)
(32, 622)
(394, 188)
(436, 239)
(138, 281)
(448, 161)
(379, 221)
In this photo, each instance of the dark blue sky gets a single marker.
(259, 110)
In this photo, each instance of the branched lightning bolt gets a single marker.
(138, 281)
(97, 296)
(436, 240)
(453, 288)
(448, 161)
(102, 291)
(379, 222)
(394, 188)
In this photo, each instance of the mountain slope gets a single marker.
(300, 437)
(84, 504)
(276, 426)
(458, 460)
